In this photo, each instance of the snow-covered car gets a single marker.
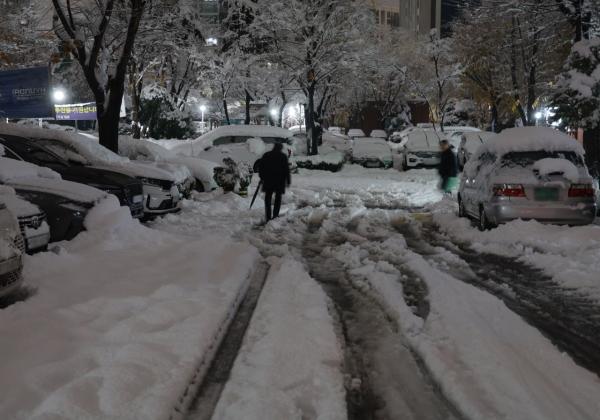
(242, 143)
(422, 149)
(528, 173)
(162, 183)
(454, 134)
(379, 134)
(332, 142)
(32, 220)
(355, 133)
(12, 247)
(372, 153)
(203, 171)
(127, 189)
(65, 203)
(469, 143)
(336, 130)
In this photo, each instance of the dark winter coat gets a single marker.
(448, 165)
(274, 171)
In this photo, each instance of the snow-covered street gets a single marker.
(378, 302)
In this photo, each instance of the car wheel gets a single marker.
(484, 224)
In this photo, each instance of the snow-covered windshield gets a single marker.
(526, 159)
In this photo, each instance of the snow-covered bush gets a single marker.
(332, 162)
(577, 97)
(162, 119)
(233, 174)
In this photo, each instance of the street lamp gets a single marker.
(59, 96)
(203, 110)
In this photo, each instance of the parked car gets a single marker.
(528, 173)
(127, 189)
(332, 142)
(469, 143)
(422, 149)
(242, 143)
(336, 130)
(32, 220)
(355, 133)
(65, 203)
(379, 134)
(12, 247)
(203, 171)
(372, 153)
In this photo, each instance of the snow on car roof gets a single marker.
(475, 139)
(85, 145)
(19, 174)
(371, 147)
(530, 139)
(425, 139)
(246, 130)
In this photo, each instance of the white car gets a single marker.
(469, 143)
(202, 170)
(379, 134)
(32, 221)
(242, 143)
(332, 142)
(354, 133)
(372, 153)
(164, 184)
(529, 173)
(12, 247)
(422, 149)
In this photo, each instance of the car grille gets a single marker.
(132, 190)
(427, 155)
(31, 222)
(9, 278)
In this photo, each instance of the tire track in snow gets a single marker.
(385, 378)
(219, 371)
(571, 321)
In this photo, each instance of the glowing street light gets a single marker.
(274, 113)
(59, 96)
(203, 110)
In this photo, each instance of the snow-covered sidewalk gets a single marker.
(290, 365)
(121, 319)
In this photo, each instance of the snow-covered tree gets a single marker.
(314, 40)
(101, 36)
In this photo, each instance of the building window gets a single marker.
(376, 13)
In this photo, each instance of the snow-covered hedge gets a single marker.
(332, 162)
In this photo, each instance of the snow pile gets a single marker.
(12, 170)
(569, 255)
(16, 205)
(107, 213)
(551, 166)
(531, 139)
(289, 366)
(256, 146)
(121, 321)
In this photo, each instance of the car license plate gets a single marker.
(138, 199)
(38, 241)
(546, 194)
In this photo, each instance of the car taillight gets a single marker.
(581, 190)
(509, 190)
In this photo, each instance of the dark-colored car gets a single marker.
(128, 190)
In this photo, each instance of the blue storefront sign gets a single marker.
(76, 112)
(25, 93)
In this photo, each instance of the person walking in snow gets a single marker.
(448, 168)
(274, 171)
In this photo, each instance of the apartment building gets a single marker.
(387, 13)
(421, 16)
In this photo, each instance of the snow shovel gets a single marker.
(255, 194)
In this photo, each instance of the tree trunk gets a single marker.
(226, 111)
(310, 122)
(248, 101)
(108, 121)
(494, 114)
(135, 93)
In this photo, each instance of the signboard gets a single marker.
(25, 93)
(76, 112)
